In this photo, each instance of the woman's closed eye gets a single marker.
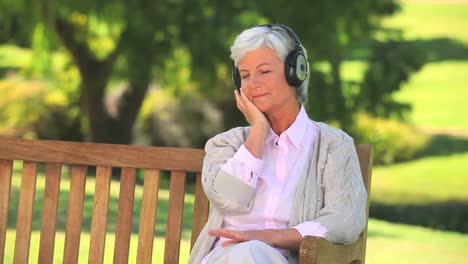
(263, 72)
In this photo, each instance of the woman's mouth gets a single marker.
(258, 95)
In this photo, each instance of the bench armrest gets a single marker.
(316, 250)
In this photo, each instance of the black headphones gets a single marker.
(295, 67)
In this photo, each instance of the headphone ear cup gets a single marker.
(236, 78)
(295, 68)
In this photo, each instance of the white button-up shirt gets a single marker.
(275, 178)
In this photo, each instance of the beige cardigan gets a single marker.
(330, 191)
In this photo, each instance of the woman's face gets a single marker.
(263, 80)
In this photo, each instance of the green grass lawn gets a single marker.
(397, 243)
(424, 181)
(432, 20)
(431, 191)
(437, 92)
(438, 95)
(428, 192)
(433, 188)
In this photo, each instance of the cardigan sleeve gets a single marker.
(229, 194)
(344, 211)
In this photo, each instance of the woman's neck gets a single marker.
(282, 119)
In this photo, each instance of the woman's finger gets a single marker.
(244, 97)
(240, 104)
(221, 233)
(230, 242)
(230, 234)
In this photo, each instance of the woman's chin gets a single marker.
(261, 106)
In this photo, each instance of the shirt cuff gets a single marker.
(311, 228)
(250, 161)
(244, 166)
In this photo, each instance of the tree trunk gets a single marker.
(95, 75)
(117, 127)
(139, 55)
(94, 80)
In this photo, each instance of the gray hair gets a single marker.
(275, 38)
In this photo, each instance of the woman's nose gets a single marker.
(253, 82)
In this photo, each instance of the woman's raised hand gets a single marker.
(260, 125)
(253, 115)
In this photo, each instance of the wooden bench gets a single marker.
(153, 160)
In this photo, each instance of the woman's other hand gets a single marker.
(279, 238)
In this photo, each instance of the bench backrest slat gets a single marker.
(365, 155)
(74, 213)
(149, 205)
(200, 209)
(25, 212)
(6, 167)
(174, 217)
(99, 218)
(124, 215)
(95, 154)
(49, 212)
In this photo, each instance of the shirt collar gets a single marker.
(270, 136)
(296, 131)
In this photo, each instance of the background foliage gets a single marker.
(116, 51)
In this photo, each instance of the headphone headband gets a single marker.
(289, 31)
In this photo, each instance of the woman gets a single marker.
(283, 177)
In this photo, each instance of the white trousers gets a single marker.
(250, 252)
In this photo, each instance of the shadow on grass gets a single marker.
(440, 49)
(436, 49)
(450, 215)
(382, 234)
(441, 145)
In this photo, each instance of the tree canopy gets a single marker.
(122, 48)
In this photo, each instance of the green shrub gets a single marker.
(186, 120)
(392, 141)
(35, 109)
(21, 105)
